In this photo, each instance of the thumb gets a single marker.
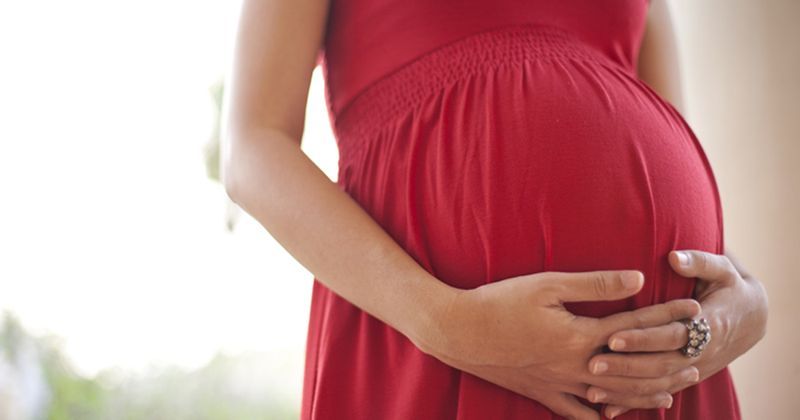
(703, 265)
(596, 285)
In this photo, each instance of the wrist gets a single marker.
(761, 307)
(737, 324)
(426, 328)
(754, 315)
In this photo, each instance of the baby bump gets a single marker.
(555, 163)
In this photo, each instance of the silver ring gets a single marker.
(699, 336)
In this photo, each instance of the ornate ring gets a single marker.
(699, 336)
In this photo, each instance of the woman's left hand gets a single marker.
(733, 302)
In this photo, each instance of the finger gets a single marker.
(705, 265)
(577, 389)
(658, 400)
(595, 285)
(665, 337)
(623, 385)
(613, 411)
(652, 365)
(568, 406)
(650, 316)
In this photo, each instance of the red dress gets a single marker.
(493, 139)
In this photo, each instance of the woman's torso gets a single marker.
(491, 140)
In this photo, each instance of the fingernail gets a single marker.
(693, 375)
(600, 367)
(614, 412)
(617, 344)
(630, 280)
(666, 403)
(697, 308)
(598, 396)
(683, 259)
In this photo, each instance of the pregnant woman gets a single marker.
(503, 240)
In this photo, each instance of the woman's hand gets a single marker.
(734, 303)
(516, 333)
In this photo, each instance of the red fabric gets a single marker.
(491, 140)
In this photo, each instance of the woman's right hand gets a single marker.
(516, 333)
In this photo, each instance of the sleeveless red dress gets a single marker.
(493, 139)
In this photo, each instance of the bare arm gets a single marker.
(515, 333)
(734, 301)
(658, 64)
(268, 175)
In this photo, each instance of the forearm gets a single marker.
(322, 227)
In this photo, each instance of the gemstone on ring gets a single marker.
(699, 336)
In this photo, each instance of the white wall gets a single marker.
(741, 73)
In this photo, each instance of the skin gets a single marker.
(658, 64)
(522, 338)
(511, 339)
(734, 302)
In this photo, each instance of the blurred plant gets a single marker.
(212, 148)
(24, 393)
(38, 382)
(73, 396)
(212, 153)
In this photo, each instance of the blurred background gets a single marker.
(131, 288)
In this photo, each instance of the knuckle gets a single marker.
(726, 263)
(624, 368)
(729, 270)
(678, 379)
(672, 309)
(641, 388)
(639, 320)
(600, 284)
(576, 342)
(670, 367)
(705, 262)
(665, 386)
(640, 339)
(679, 335)
(590, 332)
(681, 309)
(665, 312)
(546, 288)
(665, 368)
(634, 340)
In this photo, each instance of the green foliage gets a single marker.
(73, 397)
(225, 388)
(212, 148)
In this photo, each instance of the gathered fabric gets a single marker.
(502, 151)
